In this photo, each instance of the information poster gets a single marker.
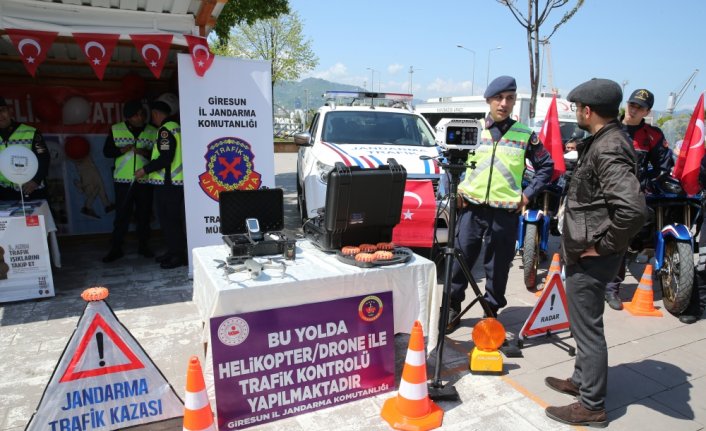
(226, 130)
(25, 269)
(273, 364)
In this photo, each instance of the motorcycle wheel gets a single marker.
(530, 256)
(677, 276)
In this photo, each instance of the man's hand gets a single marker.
(143, 152)
(140, 173)
(126, 148)
(523, 204)
(591, 251)
(29, 187)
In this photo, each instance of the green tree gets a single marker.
(236, 12)
(537, 16)
(279, 40)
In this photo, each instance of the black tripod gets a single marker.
(454, 166)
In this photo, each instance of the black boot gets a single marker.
(696, 304)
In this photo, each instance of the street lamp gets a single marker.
(473, 74)
(487, 73)
(372, 78)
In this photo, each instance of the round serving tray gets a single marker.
(399, 255)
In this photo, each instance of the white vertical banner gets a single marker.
(226, 132)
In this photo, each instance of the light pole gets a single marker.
(473, 74)
(372, 78)
(487, 73)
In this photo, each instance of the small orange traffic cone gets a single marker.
(555, 266)
(197, 408)
(412, 409)
(642, 303)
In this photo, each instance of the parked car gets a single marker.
(365, 130)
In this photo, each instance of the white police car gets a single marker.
(363, 132)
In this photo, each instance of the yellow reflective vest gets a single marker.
(128, 163)
(177, 169)
(497, 179)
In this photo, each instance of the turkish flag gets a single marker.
(33, 46)
(201, 54)
(416, 226)
(98, 49)
(550, 136)
(154, 50)
(691, 151)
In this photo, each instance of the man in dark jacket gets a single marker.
(604, 210)
(654, 161)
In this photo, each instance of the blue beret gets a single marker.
(597, 92)
(500, 84)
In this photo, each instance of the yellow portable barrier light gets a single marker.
(488, 335)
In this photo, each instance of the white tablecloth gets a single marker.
(315, 276)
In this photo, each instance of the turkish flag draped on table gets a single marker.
(416, 226)
(691, 151)
(154, 49)
(550, 136)
(98, 49)
(201, 54)
(33, 46)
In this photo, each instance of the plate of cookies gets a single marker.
(372, 255)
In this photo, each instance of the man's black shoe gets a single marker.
(145, 251)
(688, 318)
(614, 301)
(172, 262)
(454, 321)
(112, 256)
(162, 257)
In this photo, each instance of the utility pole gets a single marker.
(411, 72)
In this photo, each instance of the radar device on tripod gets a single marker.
(457, 139)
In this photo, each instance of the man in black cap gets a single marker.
(130, 143)
(603, 210)
(652, 151)
(492, 196)
(14, 133)
(166, 173)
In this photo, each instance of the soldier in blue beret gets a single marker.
(493, 198)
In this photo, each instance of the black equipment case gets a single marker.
(267, 206)
(362, 206)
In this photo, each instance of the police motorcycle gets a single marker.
(539, 220)
(668, 237)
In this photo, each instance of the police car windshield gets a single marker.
(375, 128)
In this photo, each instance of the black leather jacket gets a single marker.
(604, 206)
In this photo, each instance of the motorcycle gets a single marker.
(539, 220)
(668, 238)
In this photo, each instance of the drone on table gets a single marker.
(251, 266)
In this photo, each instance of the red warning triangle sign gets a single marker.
(108, 353)
(550, 313)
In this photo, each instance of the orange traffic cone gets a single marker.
(642, 303)
(197, 408)
(555, 266)
(412, 409)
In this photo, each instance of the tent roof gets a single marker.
(124, 17)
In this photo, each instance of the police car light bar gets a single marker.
(396, 97)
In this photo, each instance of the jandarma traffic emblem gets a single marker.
(229, 166)
(370, 308)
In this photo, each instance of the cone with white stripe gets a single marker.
(197, 408)
(642, 303)
(554, 266)
(412, 409)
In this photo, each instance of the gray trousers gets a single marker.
(585, 292)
